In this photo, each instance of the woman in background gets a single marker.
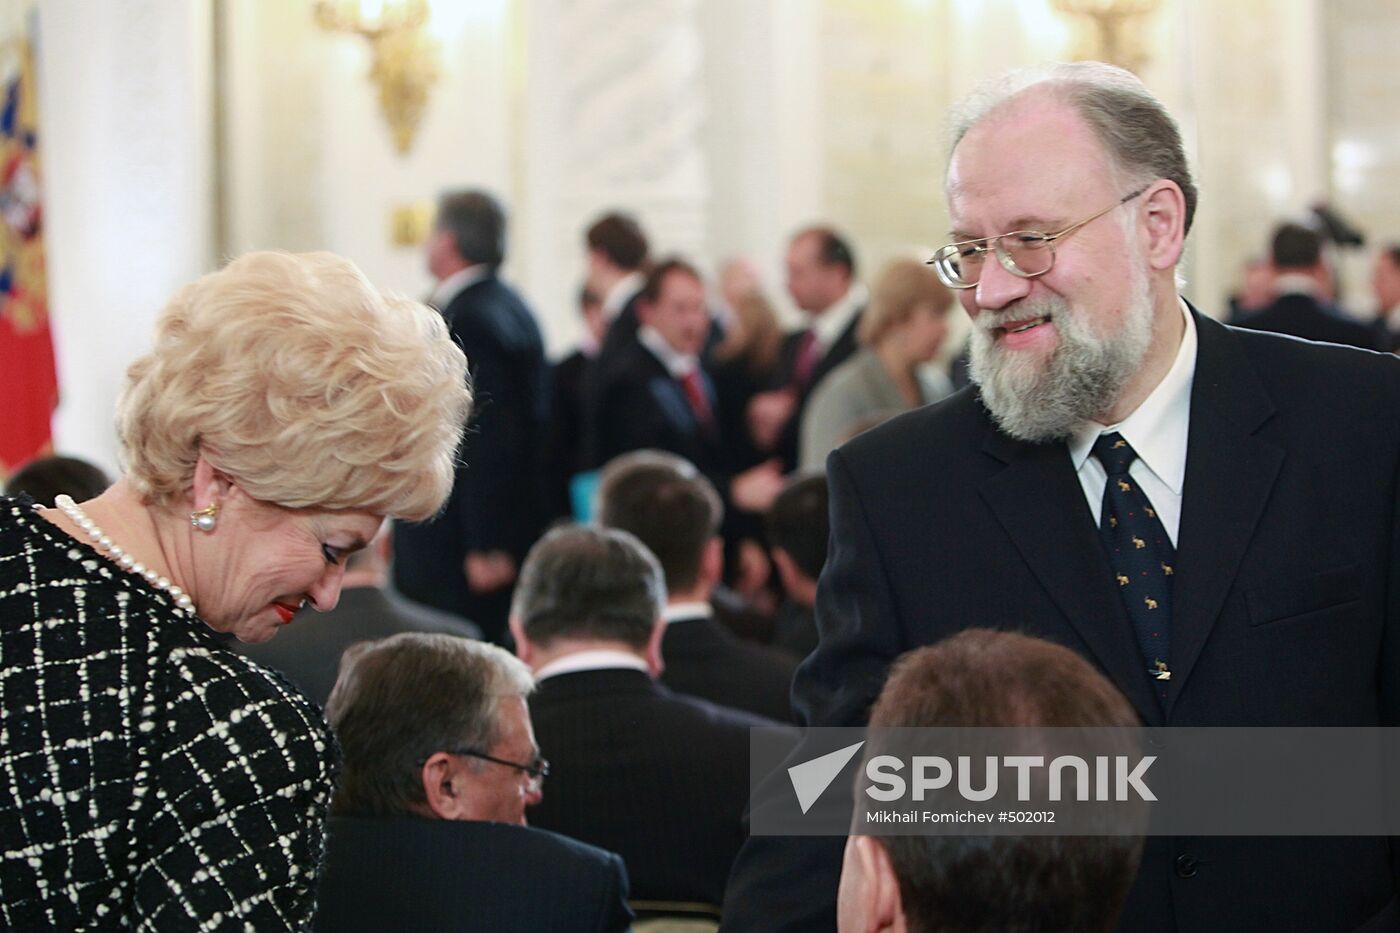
(150, 777)
(901, 330)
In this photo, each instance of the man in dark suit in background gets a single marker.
(658, 777)
(1265, 590)
(465, 560)
(821, 278)
(655, 393)
(308, 651)
(428, 825)
(617, 265)
(1385, 281)
(566, 445)
(676, 513)
(1302, 284)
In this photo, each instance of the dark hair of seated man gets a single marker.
(989, 883)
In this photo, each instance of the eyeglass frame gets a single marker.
(536, 771)
(1003, 257)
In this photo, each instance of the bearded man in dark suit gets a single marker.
(465, 561)
(1106, 413)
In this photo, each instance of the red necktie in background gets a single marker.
(699, 401)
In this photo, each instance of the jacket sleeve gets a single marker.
(232, 790)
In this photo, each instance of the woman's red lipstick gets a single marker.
(284, 613)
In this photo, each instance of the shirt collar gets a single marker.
(622, 292)
(1158, 429)
(675, 612)
(679, 365)
(449, 288)
(833, 321)
(1295, 283)
(598, 659)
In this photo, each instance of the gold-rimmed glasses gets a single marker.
(1027, 253)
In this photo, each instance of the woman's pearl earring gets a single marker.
(205, 519)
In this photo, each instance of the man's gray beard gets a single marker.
(1042, 401)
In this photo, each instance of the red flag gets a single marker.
(28, 382)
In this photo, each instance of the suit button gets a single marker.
(1186, 866)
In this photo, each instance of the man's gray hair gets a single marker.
(401, 700)
(593, 583)
(1142, 140)
(477, 222)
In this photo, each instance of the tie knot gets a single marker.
(1114, 453)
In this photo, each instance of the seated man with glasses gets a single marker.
(428, 826)
(658, 777)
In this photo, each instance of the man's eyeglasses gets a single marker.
(537, 770)
(1026, 253)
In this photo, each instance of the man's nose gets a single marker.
(997, 288)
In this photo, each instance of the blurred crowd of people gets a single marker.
(557, 599)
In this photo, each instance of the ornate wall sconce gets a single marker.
(1116, 27)
(406, 59)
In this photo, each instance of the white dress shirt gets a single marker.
(679, 365)
(449, 288)
(622, 291)
(675, 612)
(598, 659)
(1158, 431)
(833, 321)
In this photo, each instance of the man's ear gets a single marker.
(440, 788)
(655, 663)
(712, 561)
(1166, 223)
(524, 648)
(885, 908)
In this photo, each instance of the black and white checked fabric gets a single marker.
(149, 777)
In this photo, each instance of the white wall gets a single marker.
(125, 124)
(724, 123)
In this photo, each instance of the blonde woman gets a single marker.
(902, 329)
(150, 777)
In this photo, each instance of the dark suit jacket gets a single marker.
(308, 651)
(566, 429)
(641, 405)
(1287, 605)
(704, 659)
(659, 778)
(1303, 316)
(406, 873)
(498, 499)
(839, 352)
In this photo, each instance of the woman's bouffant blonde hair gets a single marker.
(303, 383)
(903, 285)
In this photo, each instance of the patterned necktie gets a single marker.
(1142, 556)
(699, 401)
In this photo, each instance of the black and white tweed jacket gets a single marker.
(149, 777)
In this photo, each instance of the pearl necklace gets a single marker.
(123, 559)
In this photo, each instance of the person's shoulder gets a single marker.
(934, 436)
(549, 848)
(1331, 367)
(218, 694)
(708, 717)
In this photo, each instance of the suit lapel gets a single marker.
(1230, 472)
(1039, 501)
